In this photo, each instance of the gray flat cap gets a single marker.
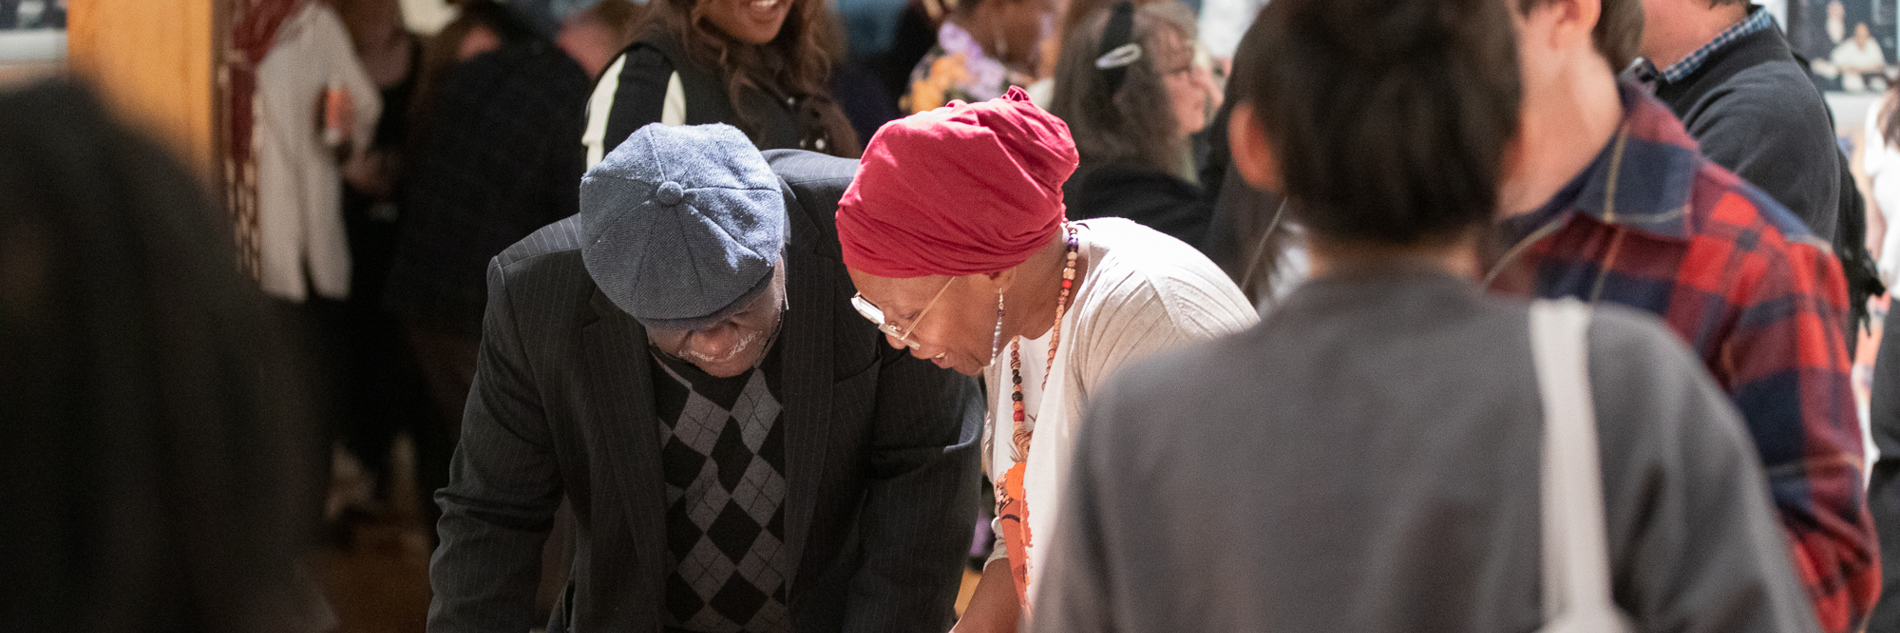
(681, 222)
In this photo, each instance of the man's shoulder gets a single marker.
(811, 170)
(1769, 92)
(562, 237)
(817, 182)
(1724, 206)
(1754, 77)
(1782, 79)
(1744, 248)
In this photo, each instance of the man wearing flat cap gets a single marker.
(741, 451)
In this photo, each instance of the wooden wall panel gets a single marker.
(152, 60)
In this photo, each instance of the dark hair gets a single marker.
(796, 63)
(1389, 118)
(1080, 11)
(1134, 123)
(1619, 31)
(160, 471)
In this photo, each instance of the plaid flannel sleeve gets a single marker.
(1785, 364)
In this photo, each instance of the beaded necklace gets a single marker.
(1020, 435)
(1012, 511)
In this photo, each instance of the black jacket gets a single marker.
(495, 163)
(773, 121)
(1753, 110)
(881, 449)
(1160, 201)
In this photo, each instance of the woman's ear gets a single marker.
(1253, 157)
(1003, 279)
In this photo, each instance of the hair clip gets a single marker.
(1120, 57)
(1118, 48)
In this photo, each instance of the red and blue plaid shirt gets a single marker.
(1653, 225)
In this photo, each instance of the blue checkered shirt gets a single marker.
(1757, 21)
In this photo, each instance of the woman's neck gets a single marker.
(1030, 310)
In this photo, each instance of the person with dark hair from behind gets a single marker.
(1290, 467)
(1612, 203)
(758, 65)
(162, 470)
(1132, 96)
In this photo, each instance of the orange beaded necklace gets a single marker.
(1020, 436)
(1012, 511)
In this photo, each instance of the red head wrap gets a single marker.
(963, 189)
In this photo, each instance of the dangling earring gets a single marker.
(996, 340)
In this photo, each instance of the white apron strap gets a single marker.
(1576, 558)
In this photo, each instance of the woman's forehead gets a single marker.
(1169, 42)
(897, 292)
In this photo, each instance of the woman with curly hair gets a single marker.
(759, 65)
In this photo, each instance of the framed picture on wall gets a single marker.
(1849, 44)
(31, 15)
(32, 38)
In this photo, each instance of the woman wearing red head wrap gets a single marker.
(953, 232)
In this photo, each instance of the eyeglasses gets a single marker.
(871, 312)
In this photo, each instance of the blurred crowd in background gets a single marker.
(373, 172)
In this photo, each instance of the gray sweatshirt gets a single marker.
(1367, 460)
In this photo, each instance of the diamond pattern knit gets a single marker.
(723, 454)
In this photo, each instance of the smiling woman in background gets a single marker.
(757, 65)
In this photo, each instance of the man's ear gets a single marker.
(1574, 20)
(1253, 158)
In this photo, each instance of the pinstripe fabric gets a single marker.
(880, 449)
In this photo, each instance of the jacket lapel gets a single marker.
(617, 411)
(806, 374)
(618, 408)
